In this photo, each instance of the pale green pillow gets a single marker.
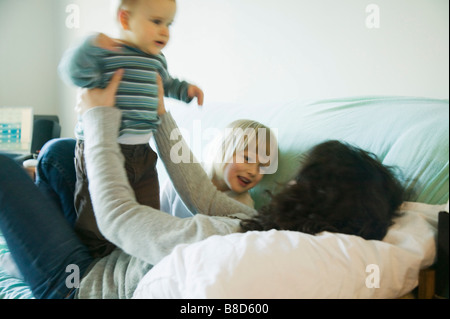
(409, 133)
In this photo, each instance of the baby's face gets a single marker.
(149, 24)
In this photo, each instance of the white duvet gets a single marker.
(285, 264)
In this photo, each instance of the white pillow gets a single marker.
(286, 264)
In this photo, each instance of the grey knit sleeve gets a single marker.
(188, 176)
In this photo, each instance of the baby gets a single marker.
(144, 32)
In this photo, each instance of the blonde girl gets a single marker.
(236, 161)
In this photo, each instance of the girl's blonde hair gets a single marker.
(239, 136)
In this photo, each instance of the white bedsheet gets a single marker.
(285, 264)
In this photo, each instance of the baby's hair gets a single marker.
(239, 136)
(126, 5)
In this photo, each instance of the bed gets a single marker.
(409, 133)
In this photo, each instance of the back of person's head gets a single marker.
(238, 136)
(340, 189)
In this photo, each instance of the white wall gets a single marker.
(27, 55)
(94, 16)
(273, 51)
(246, 51)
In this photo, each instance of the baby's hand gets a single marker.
(107, 43)
(161, 106)
(194, 91)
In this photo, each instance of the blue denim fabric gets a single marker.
(55, 175)
(41, 240)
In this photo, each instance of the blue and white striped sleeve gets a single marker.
(82, 65)
(174, 88)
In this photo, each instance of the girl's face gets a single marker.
(243, 173)
(148, 25)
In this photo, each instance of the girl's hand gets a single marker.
(89, 98)
(107, 43)
(194, 91)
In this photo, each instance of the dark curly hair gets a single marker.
(340, 188)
